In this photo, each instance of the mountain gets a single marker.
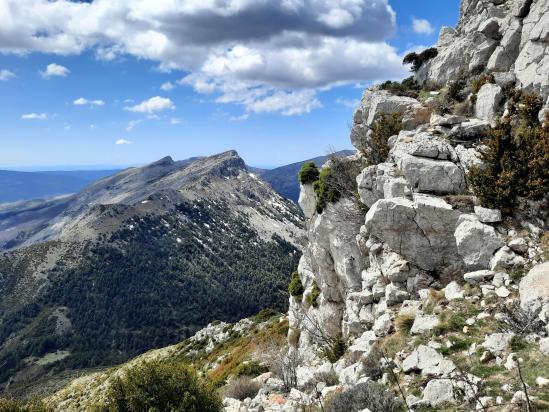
(17, 186)
(283, 179)
(138, 260)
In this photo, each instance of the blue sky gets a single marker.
(74, 86)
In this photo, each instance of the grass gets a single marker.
(404, 322)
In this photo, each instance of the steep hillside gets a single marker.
(283, 179)
(17, 186)
(139, 260)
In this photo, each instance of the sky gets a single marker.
(102, 83)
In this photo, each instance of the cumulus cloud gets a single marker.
(422, 26)
(83, 102)
(293, 49)
(6, 74)
(154, 104)
(123, 142)
(167, 86)
(54, 70)
(352, 103)
(34, 116)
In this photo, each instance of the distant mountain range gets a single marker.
(15, 186)
(138, 260)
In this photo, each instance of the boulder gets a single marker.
(490, 28)
(381, 181)
(453, 291)
(476, 242)
(496, 343)
(395, 294)
(448, 120)
(422, 358)
(470, 130)
(424, 323)
(426, 175)
(489, 100)
(423, 144)
(382, 325)
(518, 245)
(420, 230)
(479, 276)
(544, 346)
(505, 258)
(534, 289)
(486, 215)
(438, 392)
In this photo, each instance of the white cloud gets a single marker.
(167, 86)
(352, 103)
(83, 102)
(54, 70)
(422, 26)
(175, 120)
(5, 75)
(154, 104)
(34, 116)
(240, 118)
(123, 142)
(295, 48)
(132, 123)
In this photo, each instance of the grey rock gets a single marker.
(489, 100)
(486, 215)
(534, 289)
(307, 200)
(496, 343)
(476, 242)
(439, 391)
(424, 323)
(518, 245)
(471, 129)
(544, 346)
(453, 291)
(505, 258)
(395, 295)
(418, 230)
(479, 276)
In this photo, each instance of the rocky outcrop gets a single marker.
(500, 36)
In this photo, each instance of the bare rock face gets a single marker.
(418, 229)
(499, 36)
(307, 200)
(489, 100)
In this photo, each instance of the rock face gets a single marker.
(501, 36)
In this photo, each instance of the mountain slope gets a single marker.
(283, 179)
(139, 260)
(17, 186)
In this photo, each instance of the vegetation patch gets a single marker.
(384, 126)
(418, 59)
(295, 288)
(515, 158)
(312, 298)
(308, 173)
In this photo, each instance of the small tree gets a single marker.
(308, 173)
(385, 125)
(417, 60)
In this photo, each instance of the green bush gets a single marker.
(162, 386)
(264, 315)
(335, 349)
(385, 125)
(515, 158)
(312, 298)
(308, 173)
(370, 395)
(408, 87)
(417, 60)
(296, 287)
(251, 369)
(325, 192)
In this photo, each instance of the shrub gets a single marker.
(368, 395)
(336, 181)
(519, 321)
(312, 298)
(265, 314)
(11, 405)
(241, 388)
(308, 173)
(251, 369)
(515, 159)
(455, 89)
(408, 87)
(161, 386)
(334, 349)
(477, 83)
(296, 287)
(417, 60)
(330, 378)
(384, 126)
